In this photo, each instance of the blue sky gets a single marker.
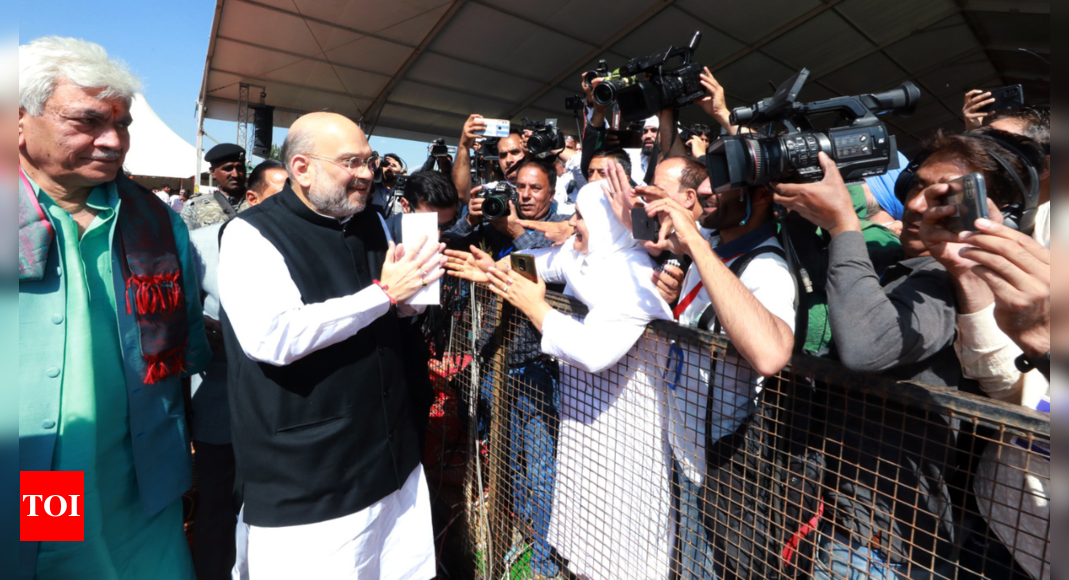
(164, 43)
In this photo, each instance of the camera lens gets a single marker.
(494, 208)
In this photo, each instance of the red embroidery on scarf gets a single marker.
(154, 294)
(172, 362)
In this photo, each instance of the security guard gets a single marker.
(227, 166)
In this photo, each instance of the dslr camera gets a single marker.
(862, 147)
(643, 87)
(546, 138)
(496, 201)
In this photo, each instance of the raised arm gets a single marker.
(462, 165)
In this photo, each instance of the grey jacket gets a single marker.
(903, 324)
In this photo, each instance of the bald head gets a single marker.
(680, 177)
(326, 156)
(318, 132)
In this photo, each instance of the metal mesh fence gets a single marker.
(679, 462)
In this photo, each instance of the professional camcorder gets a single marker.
(496, 201)
(862, 148)
(643, 87)
(547, 137)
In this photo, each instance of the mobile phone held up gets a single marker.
(969, 195)
(1011, 97)
(643, 227)
(524, 265)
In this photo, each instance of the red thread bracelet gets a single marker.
(385, 290)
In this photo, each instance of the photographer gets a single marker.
(985, 352)
(534, 196)
(1002, 281)
(907, 331)
(382, 199)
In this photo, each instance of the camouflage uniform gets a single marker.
(203, 210)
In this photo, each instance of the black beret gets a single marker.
(225, 153)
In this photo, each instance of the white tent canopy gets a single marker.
(418, 68)
(156, 150)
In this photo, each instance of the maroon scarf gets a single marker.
(153, 274)
(151, 269)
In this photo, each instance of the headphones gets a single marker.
(1023, 219)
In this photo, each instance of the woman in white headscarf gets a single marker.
(612, 505)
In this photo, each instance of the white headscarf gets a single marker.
(616, 272)
(654, 122)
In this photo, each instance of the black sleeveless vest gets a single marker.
(332, 433)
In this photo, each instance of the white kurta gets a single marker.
(612, 506)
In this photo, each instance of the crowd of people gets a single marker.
(270, 325)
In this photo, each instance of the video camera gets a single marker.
(439, 149)
(496, 201)
(640, 97)
(863, 148)
(546, 138)
(482, 164)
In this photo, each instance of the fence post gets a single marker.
(500, 534)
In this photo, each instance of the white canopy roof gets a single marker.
(156, 150)
(418, 68)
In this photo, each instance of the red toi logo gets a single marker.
(52, 506)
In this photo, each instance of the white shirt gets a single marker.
(177, 204)
(560, 195)
(989, 357)
(640, 164)
(1042, 231)
(164, 197)
(271, 321)
(736, 385)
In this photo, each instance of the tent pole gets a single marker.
(200, 145)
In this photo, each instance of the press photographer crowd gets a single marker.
(280, 329)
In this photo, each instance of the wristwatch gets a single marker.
(1027, 365)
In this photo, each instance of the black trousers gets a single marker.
(215, 518)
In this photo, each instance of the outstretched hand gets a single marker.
(556, 232)
(528, 297)
(409, 269)
(472, 267)
(621, 196)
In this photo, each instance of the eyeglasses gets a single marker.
(353, 163)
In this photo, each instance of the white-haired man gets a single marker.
(323, 430)
(109, 322)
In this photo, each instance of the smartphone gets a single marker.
(969, 195)
(643, 227)
(524, 265)
(495, 128)
(1011, 97)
